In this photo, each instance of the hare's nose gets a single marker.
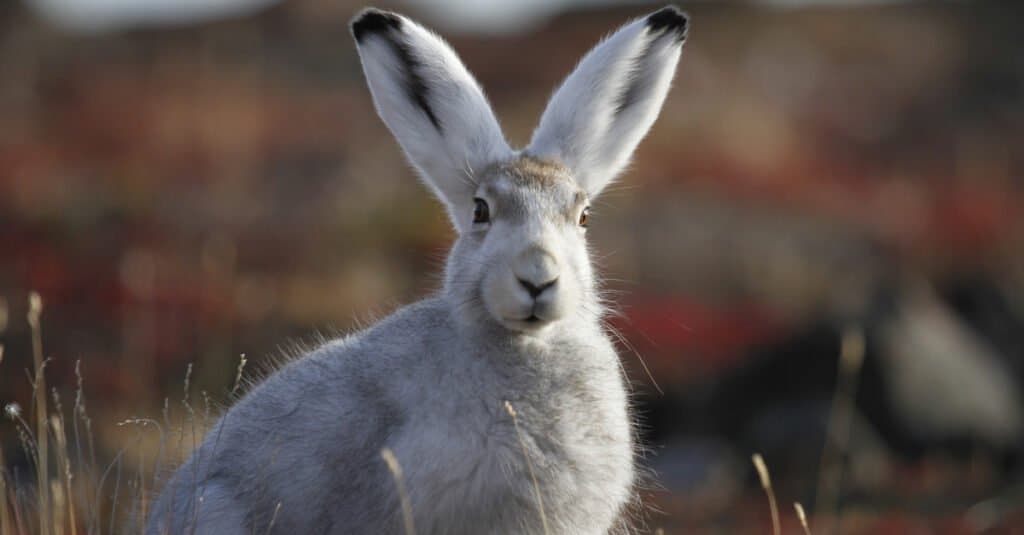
(536, 289)
(536, 270)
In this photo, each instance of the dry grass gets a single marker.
(851, 359)
(801, 516)
(35, 309)
(403, 495)
(71, 492)
(529, 465)
(82, 496)
(766, 484)
(5, 519)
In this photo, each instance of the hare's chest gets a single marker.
(563, 433)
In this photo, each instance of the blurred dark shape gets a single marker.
(941, 377)
(982, 303)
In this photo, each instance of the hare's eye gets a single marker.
(481, 212)
(584, 216)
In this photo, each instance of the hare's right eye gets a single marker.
(481, 212)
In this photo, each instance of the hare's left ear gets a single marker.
(431, 104)
(601, 112)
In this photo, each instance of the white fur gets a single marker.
(300, 453)
(471, 136)
(581, 127)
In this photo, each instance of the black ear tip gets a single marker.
(669, 19)
(372, 20)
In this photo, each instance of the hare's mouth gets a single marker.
(531, 323)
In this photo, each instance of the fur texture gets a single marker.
(518, 321)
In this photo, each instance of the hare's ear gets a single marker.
(601, 112)
(431, 104)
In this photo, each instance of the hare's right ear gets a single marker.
(431, 104)
(598, 116)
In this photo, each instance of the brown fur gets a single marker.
(531, 171)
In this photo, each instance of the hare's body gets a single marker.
(310, 437)
(501, 398)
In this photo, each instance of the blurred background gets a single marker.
(184, 182)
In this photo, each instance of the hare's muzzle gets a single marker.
(528, 294)
(536, 270)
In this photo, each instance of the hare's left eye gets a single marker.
(481, 212)
(584, 217)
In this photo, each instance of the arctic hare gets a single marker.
(501, 397)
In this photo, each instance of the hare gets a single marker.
(501, 397)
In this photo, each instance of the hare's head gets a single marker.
(521, 259)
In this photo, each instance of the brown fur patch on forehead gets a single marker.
(530, 171)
